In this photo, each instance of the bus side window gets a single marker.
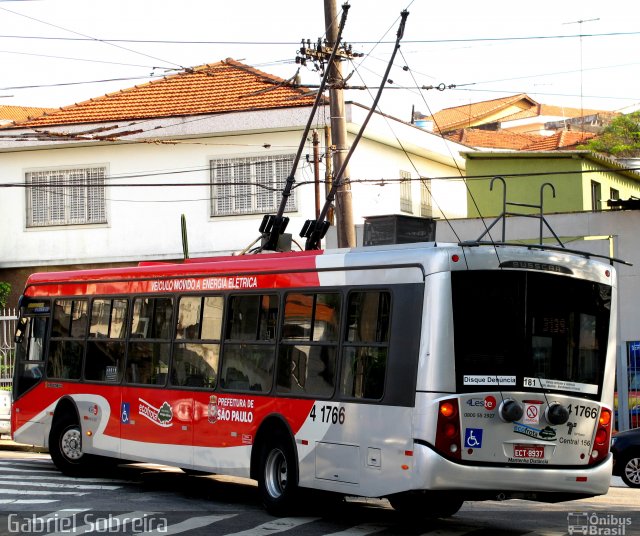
(105, 345)
(67, 344)
(365, 350)
(197, 346)
(308, 349)
(249, 349)
(150, 344)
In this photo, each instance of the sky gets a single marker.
(580, 54)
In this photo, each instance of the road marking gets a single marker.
(359, 530)
(27, 501)
(189, 524)
(65, 478)
(273, 527)
(103, 524)
(5, 491)
(56, 485)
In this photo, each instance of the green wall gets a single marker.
(525, 173)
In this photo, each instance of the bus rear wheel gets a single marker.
(278, 477)
(425, 505)
(65, 447)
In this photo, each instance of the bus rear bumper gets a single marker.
(499, 482)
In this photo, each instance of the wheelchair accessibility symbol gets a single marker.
(473, 438)
(125, 412)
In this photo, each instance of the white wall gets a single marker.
(144, 222)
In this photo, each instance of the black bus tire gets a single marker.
(278, 476)
(65, 447)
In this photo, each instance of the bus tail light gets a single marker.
(602, 439)
(448, 429)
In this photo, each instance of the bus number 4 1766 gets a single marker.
(327, 413)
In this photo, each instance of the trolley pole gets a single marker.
(344, 210)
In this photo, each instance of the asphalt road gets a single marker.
(148, 499)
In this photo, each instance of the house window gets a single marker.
(406, 204)
(66, 197)
(596, 195)
(250, 185)
(426, 208)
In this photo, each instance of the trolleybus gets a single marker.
(427, 374)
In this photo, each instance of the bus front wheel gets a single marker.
(65, 447)
(278, 478)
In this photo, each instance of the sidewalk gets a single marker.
(7, 444)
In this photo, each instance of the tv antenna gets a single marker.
(580, 22)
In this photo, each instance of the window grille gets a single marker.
(426, 207)
(406, 203)
(250, 185)
(66, 197)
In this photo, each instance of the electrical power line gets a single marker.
(294, 43)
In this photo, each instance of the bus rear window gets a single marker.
(528, 330)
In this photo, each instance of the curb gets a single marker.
(9, 445)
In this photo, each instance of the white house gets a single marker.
(106, 181)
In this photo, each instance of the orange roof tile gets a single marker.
(505, 139)
(495, 139)
(564, 139)
(551, 110)
(461, 116)
(226, 86)
(484, 112)
(22, 113)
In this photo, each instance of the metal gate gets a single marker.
(8, 319)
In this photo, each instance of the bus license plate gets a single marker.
(528, 451)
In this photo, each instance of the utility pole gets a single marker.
(328, 173)
(316, 168)
(344, 210)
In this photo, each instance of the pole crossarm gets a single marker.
(314, 230)
(273, 226)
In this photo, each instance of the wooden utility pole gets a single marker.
(316, 168)
(328, 173)
(344, 211)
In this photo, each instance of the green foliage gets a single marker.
(621, 138)
(5, 289)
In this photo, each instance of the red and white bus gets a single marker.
(427, 374)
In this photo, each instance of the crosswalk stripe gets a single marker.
(65, 478)
(545, 533)
(96, 525)
(6, 491)
(360, 530)
(25, 461)
(56, 485)
(27, 501)
(30, 470)
(64, 513)
(189, 524)
(443, 532)
(278, 525)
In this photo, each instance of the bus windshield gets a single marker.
(529, 331)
